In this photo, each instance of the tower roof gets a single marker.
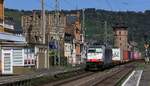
(120, 26)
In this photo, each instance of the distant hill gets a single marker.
(137, 22)
(16, 15)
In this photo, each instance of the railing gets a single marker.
(5, 23)
(7, 26)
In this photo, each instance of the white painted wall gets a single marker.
(13, 56)
(74, 59)
(68, 49)
(68, 52)
(7, 61)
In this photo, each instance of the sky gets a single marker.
(113, 5)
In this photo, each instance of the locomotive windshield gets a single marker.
(94, 51)
(91, 51)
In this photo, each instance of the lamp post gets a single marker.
(146, 53)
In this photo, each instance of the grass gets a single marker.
(42, 80)
(139, 66)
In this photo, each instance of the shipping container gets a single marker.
(137, 55)
(125, 55)
(116, 54)
(132, 55)
(129, 55)
(140, 55)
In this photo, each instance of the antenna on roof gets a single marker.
(43, 24)
(76, 4)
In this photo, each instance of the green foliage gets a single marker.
(137, 22)
(16, 15)
(52, 53)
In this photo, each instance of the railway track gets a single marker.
(103, 78)
(70, 79)
(28, 79)
(78, 78)
(114, 78)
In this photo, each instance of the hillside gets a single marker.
(16, 15)
(137, 22)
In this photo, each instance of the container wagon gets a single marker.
(117, 56)
(125, 56)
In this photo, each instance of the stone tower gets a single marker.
(121, 36)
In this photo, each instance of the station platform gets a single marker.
(36, 74)
(145, 79)
(139, 77)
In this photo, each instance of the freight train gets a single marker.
(101, 57)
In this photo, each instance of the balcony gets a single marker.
(7, 23)
(77, 41)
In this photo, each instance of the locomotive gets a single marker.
(98, 57)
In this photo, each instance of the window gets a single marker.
(17, 57)
(91, 51)
(71, 19)
(120, 44)
(120, 38)
(29, 58)
(119, 32)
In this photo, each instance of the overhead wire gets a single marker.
(108, 3)
(49, 6)
(70, 4)
(108, 37)
(76, 4)
(46, 4)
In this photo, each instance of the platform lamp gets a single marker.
(146, 46)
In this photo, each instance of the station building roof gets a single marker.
(11, 37)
